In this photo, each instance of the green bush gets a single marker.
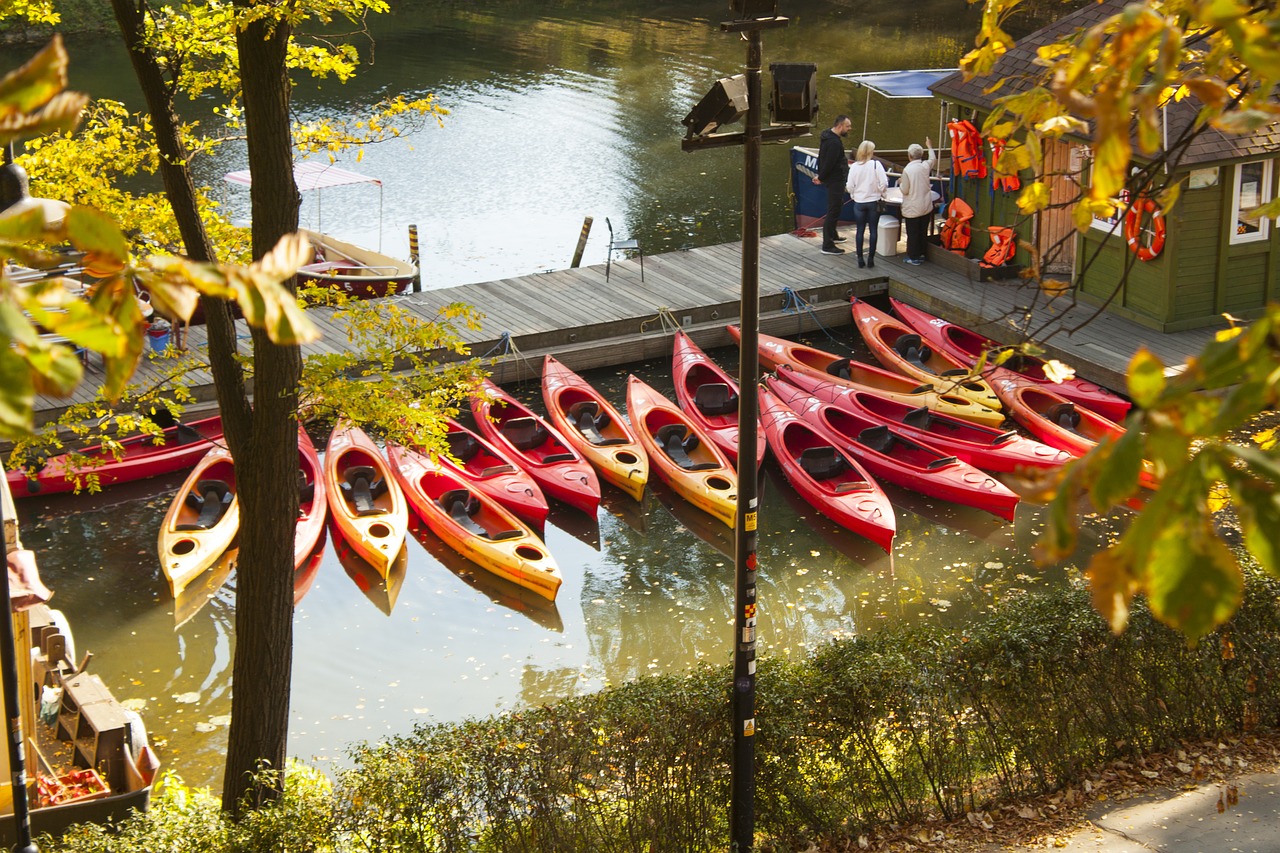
(888, 728)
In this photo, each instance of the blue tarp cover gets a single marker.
(899, 84)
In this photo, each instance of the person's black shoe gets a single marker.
(839, 239)
(861, 262)
(871, 261)
(832, 250)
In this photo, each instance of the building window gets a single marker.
(1252, 190)
(1115, 222)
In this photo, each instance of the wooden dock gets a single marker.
(587, 321)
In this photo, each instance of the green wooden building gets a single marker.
(1215, 257)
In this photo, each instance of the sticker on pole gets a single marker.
(749, 727)
(750, 521)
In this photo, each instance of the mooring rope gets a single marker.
(664, 316)
(794, 303)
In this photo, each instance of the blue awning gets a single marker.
(899, 84)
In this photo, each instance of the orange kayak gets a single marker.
(599, 432)
(682, 455)
(898, 347)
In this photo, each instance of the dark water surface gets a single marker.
(557, 111)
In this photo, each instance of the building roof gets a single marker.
(1018, 69)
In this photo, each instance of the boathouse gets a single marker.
(1215, 258)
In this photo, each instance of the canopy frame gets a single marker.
(912, 83)
(310, 175)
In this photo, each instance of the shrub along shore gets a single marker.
(888, 729)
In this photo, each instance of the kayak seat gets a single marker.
(187, 434)
(211, 498)
(1004, 438)
(524, 433)
(677, 441)
(495, 470)
(918, 418)
(941, 462)
(506, 534)
(306, 489)
(558, 457)
(715, 398)
(878, 438)
(922, 389)
(361, 487)
(461, 505)
(1064, 415)
(462, 445)
(839, 367)
(587, 418)
(822, 463)
(913, 349)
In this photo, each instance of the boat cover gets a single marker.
(310, 175)
(899, 84)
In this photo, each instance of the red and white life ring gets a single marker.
(1133, 229)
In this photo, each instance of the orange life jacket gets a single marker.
(1003, 245)
(955, 234)
(1007, 183)
(967, 160)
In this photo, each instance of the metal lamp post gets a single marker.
(722, 105)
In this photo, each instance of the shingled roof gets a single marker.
(1018, 69)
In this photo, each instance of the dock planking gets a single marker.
(588, 321)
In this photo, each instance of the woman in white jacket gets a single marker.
(867, 182)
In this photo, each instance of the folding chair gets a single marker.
(621, 246)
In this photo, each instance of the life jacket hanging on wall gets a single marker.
(1005, 183)
(1004, 243)
(967, 160)
(955, 235)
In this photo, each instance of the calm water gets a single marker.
(558, 110)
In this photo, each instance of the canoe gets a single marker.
(825, 365)
(489, 469)
(537, 447)
(366, 504)
(891, 456)
(593, 426)
(827, 477)
(202, 520)
(984, 447)
(709, 396)
(683, 456)
(474, 524)
(181, 447)
(359, 272)
(968, 346)
(898, 347)
(313, 507)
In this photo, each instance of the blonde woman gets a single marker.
(867, 182)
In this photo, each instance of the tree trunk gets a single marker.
(262, 437)
(228, 376)
(267, 463)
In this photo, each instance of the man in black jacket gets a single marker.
(833, 172)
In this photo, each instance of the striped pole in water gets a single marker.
(582, 243)
(413, 256)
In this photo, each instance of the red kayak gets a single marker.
(312, 508)
(599, 432)
(489, 469)
(981, 446)
(179, 448)
(891, 455)
(775, 352)
(898, 347)
(828, 478)
(709, 396)
(968, 346)
(537, 446)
